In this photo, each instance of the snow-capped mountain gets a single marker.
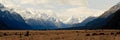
(40, 19)
(46, 19)
(36, 19)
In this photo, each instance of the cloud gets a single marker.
(51, 3)
(33, 2)
(76, 2)
(18, 2)
(68, 2)
(71, 2)
(81, 8)
(83, 11)
(9, 3)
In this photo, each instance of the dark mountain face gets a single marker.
(109, 20)
(2, 24)
(10, 20)
(114, 22)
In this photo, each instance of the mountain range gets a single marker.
(19, 19)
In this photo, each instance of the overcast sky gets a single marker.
(71, 7)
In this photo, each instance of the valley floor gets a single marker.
(59, 34)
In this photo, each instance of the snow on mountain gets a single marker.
(46, 19)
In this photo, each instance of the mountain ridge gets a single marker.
(105, 18)
(11, 20)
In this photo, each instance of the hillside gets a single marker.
(108, 20)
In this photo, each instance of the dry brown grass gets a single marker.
(60, 35)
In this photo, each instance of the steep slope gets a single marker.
(11, 20)
(109, 20)
(114, 22)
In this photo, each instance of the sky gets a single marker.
(65, 7)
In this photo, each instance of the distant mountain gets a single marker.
(83, 23)
(79, 26)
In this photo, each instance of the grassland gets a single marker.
(59, 34)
